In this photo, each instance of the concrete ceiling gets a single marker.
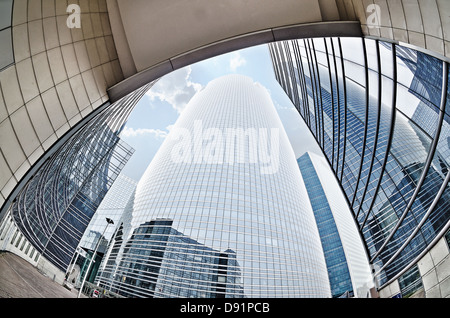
(159, 29)
(153, 38)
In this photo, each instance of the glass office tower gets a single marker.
(380, 113)
(55, 206)
(222, 210)
(348, 267)
(338, 272)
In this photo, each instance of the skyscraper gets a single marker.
(381, 122)
(222, 210)
(54, 207)
(346, 259)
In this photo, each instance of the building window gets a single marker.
(6, 48)
(14, 237)
(447, 238)
(410, 282)
(18, 241)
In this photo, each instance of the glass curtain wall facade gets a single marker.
(56, 205)
(338, 271)
(217, 223)
(112, 207)
(380, 112)
(168, 263)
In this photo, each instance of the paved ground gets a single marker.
(19, 279)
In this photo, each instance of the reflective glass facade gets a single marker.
(112, 207)
(338, 272)
(56, 205)
(380, 113)
(167, 263)
(219, 223)
(410, 282)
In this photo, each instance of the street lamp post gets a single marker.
(109, 221)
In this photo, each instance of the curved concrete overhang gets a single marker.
(154, 38)
(159, 29)
(309, 30)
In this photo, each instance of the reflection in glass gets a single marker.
(55, 206)
(390, 145)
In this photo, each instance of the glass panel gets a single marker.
(372, 59)
(352, 50)
(410, 282)
(387, 67)
(6, 51)
(356, 72)
(5, 13)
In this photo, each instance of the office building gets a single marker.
(222, 210)
(112, 207)
(54, 208)
(55, 73)
(361, 99)
(347, 263)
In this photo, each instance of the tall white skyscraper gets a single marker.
(222, 210)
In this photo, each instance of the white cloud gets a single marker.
(130, 132)
(176, 88)
(237, 61)
(169, 127)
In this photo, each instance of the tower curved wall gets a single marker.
(227, 223)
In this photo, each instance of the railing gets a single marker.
(94, 291)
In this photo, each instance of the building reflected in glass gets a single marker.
(222, 210)
(112, 207)
(167, 263)
(56, 205)
(380, 112)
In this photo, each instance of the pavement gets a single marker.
(20, 279)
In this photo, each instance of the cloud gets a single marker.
(237, 61)
(279, 107)
(176, 88)
(169, 128)
(130, 132)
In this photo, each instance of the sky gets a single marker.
(158, 110)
